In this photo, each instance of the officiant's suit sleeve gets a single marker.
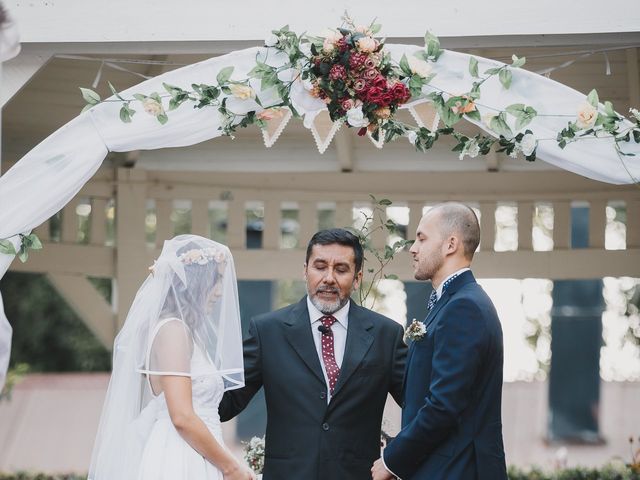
(234, 401)
(459, 341)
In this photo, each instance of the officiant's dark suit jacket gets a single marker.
(451, 418)
(308, 439)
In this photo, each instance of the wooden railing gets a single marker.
(131, 213)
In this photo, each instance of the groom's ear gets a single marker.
(453, 245)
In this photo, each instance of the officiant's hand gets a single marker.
(380, 472)
(240, 473)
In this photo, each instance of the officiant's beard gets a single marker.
(429, 265)
(328, 307)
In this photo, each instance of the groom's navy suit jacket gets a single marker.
(308, 439)
(451, 418)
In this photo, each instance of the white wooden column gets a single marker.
(132, 261)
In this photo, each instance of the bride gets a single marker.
(179, 350)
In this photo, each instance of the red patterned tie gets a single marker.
(328, 353)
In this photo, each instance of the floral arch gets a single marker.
(345, 77)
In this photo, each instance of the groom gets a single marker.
(451, 420)
(326, 365)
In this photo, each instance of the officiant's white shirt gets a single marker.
(339, 335)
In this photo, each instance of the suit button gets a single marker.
(323, 395)
(325, 426)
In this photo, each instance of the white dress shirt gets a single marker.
(439, 289)
(339, 329)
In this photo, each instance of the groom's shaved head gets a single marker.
(460, 220)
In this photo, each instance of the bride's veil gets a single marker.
(193, 282)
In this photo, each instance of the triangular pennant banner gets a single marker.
(378, 143)
(323, 130)
(275, 126)
(425, 115)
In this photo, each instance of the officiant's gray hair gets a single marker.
(461, 219)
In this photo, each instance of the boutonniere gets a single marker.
(415, 331)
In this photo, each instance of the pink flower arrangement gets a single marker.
(351, 72)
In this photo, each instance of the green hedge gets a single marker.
(608, 472)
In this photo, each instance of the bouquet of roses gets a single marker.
(350, 71)
(254, 454)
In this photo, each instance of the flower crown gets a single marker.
(202, 256)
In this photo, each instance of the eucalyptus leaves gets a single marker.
(27, 242)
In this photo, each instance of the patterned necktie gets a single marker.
(433, 298)
(328, 353)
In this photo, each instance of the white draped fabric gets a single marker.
(41, 183)
(9, 48)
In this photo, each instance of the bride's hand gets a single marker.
(239, 472)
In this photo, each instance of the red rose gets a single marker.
(388, 97)
(374, 94)
(401, 92)
(379, 81)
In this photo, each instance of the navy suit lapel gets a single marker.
(358, 343)
(298, 334)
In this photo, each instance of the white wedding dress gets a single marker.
(185, 322)
(166, 455)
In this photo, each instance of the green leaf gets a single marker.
(517, 62)
(474, 115)
(88, 106)
(636, 136)
(34, 242)
(7, 247)
(592, 98)
(499, 125)
(515, 109)
(23, 254)
(493, 71)
(608, 109)
(115, 92)
(91, 97)
(505, 78)
(375, 28)
(224, 75)
(432, 44)
(125, 114)
(391, 276)
(385, 202)
(404, 65)
(139, 96)
(162, 118)
(473, 67)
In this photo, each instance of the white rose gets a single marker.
(419, 67)
(412, 137)
(367, 44)
(243, 92)
(356, 118)
(332, 35)
(152, 107)
(471, 149)
(271, 41)
(587, 115)
(528, 144)
(635, 113)
(328, 46)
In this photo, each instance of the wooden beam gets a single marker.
(17, 72)
(88, 303)
(99, 21)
